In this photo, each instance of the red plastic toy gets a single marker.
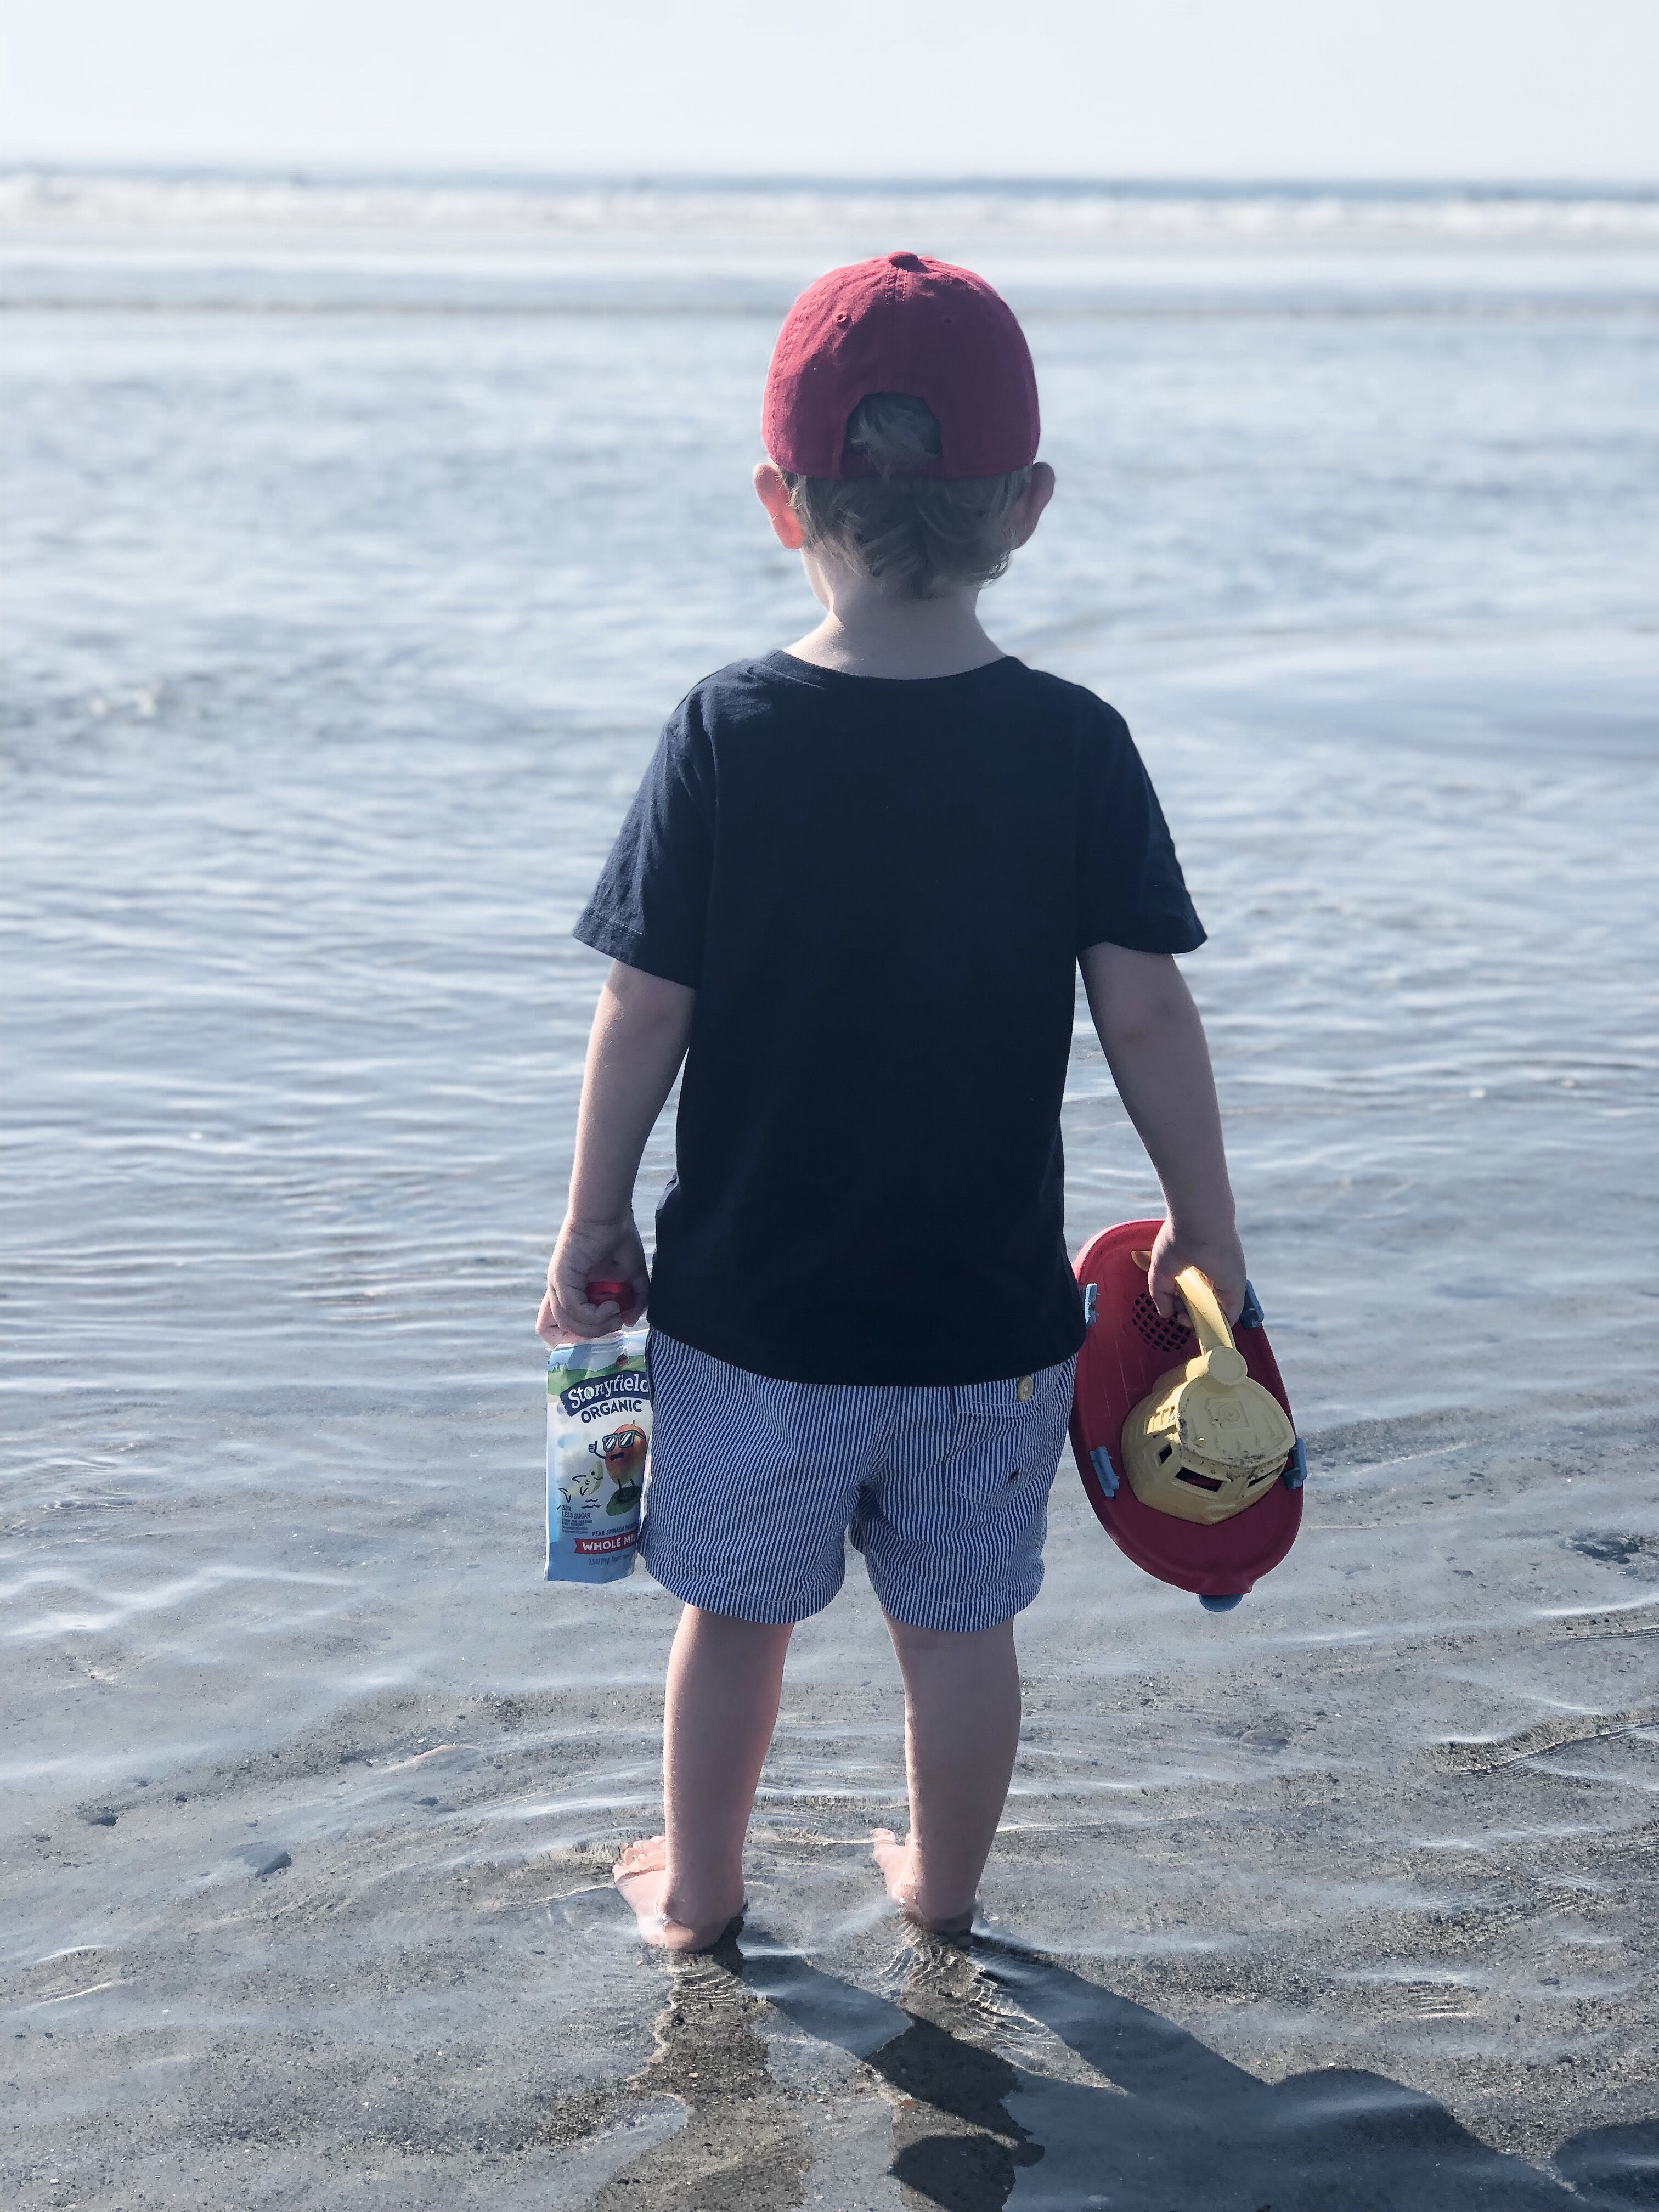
(1128, 1346)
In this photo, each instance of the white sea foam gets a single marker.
(50, 202)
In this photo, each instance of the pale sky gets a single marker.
(1434, 89)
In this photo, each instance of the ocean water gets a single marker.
(358, 535)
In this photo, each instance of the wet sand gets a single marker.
(1286, 1920)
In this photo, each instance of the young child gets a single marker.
(851, 897)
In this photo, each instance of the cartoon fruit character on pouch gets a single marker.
(622, 1453)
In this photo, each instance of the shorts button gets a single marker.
(1023, 1387)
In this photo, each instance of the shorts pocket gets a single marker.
(1002, 1442)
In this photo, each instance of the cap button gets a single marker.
(906, 260)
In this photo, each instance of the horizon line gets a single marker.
(306, 169)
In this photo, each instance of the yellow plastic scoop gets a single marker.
(1206, 1441)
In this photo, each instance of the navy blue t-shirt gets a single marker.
(879, 890)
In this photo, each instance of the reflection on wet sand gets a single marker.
(1012, 2080)
(742, 2144)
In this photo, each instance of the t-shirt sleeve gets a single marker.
(1130, 888)
(651, 902)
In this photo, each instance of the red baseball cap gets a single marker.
(901, 323)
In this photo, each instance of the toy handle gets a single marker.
(1202, 1305)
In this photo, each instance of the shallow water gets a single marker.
(353, 559)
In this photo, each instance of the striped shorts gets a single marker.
(754, 1484)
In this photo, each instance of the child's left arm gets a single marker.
(1154, 1043)
(641, 1028)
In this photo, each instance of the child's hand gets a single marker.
(1220, 1258)
(608, 1251)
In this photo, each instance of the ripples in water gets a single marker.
(338, 641)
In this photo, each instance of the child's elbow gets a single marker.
(649, 1001)
(1136, 998)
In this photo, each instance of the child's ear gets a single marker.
(1028, 509)
(773, 495)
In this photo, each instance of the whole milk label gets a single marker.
(598, 1433)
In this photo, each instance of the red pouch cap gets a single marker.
(901, 323)
(597, 1293)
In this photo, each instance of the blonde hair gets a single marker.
(920, 534)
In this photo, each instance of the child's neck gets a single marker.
(868, 632)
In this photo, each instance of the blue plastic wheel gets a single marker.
(1221, 1604)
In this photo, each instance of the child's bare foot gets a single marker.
(904, 1885)
(641, 1874)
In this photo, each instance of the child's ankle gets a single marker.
(701, 1908)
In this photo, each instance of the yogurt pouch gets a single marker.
(599, 1436)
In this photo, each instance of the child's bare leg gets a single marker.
(724, 1680)
(960, 1732)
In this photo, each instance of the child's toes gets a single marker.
(646, 1856)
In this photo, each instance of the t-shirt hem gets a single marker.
(778, 1364)
(1179, 939)
(631, 947)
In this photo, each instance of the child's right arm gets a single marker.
(640, 1028)
(1154, 1044)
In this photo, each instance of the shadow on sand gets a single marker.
(1179, 2130)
